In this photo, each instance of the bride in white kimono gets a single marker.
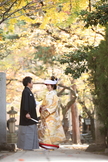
(50, 131)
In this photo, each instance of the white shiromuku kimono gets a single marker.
(50, 130)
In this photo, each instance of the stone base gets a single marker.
(8, 147)
(96, 148)
(11, 138)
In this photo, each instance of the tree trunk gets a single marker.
(92, 128)
(75, 121)
(99, 137)
(89, 5)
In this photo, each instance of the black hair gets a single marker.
(54, 86)
(26, 80)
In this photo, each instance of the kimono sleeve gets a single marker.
(43, 102)
(53, 104)
(25, 102)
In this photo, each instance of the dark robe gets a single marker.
(28, 105)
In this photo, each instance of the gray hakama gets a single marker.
(28, 137)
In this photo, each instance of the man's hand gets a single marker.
(28, 116)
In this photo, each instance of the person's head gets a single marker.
(27, 82)
(54, 86)
(51, 84)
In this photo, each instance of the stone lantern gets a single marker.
(12, 120)
(12, 135)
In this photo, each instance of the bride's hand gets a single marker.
(43, 108)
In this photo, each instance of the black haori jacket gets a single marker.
(28, 105)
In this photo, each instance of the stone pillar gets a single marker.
(2, 108)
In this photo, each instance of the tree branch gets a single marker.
(10, 80)
(9, 8)
(2, 3)
(97, 32)
(65, 30)
(59, 93)
(70, 5)
(5, 18)
(72, 91)
(85, 109)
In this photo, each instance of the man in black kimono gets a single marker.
(27, 133)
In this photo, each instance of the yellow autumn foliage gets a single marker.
(56, 15)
